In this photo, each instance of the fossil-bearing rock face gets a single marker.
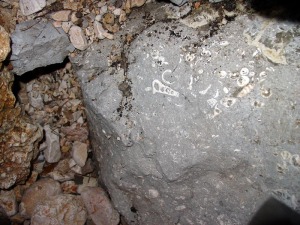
(18, 137)
(196, 129)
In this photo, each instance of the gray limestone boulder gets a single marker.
(192, 129)
(38, 44)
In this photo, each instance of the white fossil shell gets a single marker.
(158, 87)
(246, 90)
(265, 92)
(224, 43)
(228, 101)
(190, 57)
(243, 81)
(222, 74)
(212, 102)
(233, 76)
(244, 71)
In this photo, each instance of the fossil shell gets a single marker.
(243, 81)
(228, 101)
(246, 90)
(244, 71)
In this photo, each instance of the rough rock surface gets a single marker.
(37, 44)
(60, 209)
(19, 137)
(193, 129)
(99, 206)
(4, 44)
(38, 192)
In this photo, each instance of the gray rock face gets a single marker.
(191, 130)
(37, 44)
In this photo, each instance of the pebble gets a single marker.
(78, 38)
(63, 15)
(79, 153)
(4, 43)
(36, 99)
(29, 7)
(52, 153)
(8, 202)
(64, 209)
(37, 193)
(108, 18)
(99, 206)
(99, 30)
(62, 171)
(66, 26)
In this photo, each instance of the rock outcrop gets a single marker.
(19, 137)
(195, 128)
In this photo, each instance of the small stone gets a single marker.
(78, 38)
(79, 153)
(36, 99)
(137, 3)
(99, 207)
(36, 193)
(108, 35)
(4, 44)
(98, 18)
(66, 26)
(112, 28)
(64, 209)
(63, 15)
(108, 18)
(62, 171)
(103, 9)
(117, 12)
(29, 7)
(99, 30)
(87, 182)
(8, 202)
(122, 17)
(52, 153)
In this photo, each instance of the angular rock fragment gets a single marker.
(99, 207)
(79, 153)
(19, 137)
(60, 209)
(62, 15)
(52, 152)
(37, 193)
(37, 44)
(29, 7)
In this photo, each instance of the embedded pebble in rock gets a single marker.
(52, 153)
(8, 202)
(99, 206)
(69, 187)
(29, 7)
(36, 193)
(63, 15)
(79, 153)
(4, 44)
(78, 38)
(64, 209)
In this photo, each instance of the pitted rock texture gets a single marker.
(195, 130)
(19, 137)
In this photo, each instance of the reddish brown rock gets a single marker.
(19, 137)
(60, 209)
(99, 207)
(37, 193)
